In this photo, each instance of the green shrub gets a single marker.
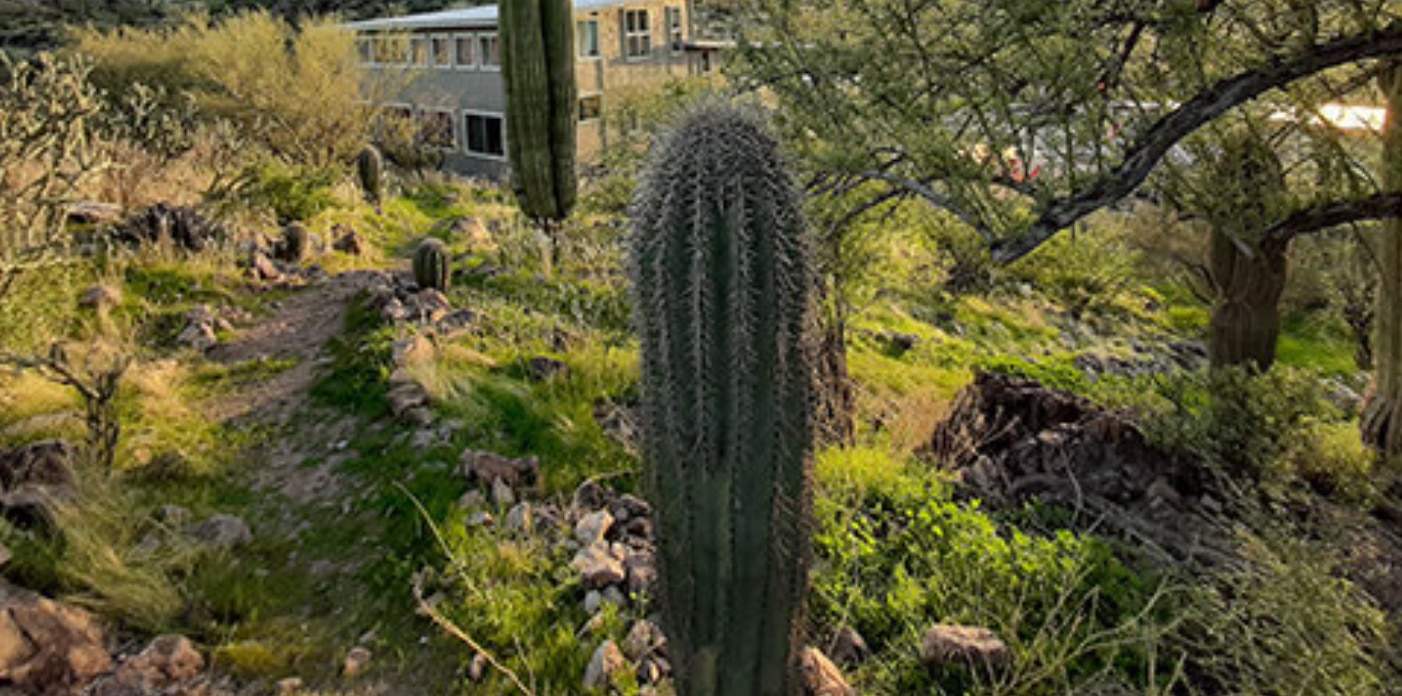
(1083, 273)
(291, 193)
(896, 556)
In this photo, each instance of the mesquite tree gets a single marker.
(538, 67)
(723, 284)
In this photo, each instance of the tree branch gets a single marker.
(1334, 213)
(1155, 143)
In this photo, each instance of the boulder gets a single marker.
(946, 645)
(48, 648)
(593, 527)
(32, 478)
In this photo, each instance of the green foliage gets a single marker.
(1284, 622)
(362, 359)
(722, 285)
(290, 192)
(538, 59)
(432, 266)
(1083, 273)
(896, 556)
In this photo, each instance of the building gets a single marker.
(453, 87)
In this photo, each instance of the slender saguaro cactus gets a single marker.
(538, 64)
(370, 170)
(723, 285)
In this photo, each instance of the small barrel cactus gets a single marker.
(431, 266)
(723, 285)
(296, 243)
(370, 169)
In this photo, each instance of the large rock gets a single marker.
(48, 648)
(32, 478)
(597, 566)
(169, 666)
(946, 645)
(593, 527)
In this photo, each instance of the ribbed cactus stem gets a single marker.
(370, 170)
(432, 268)
(723, 288)
(538, 64)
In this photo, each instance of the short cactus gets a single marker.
(723, 285)
(296, 242)
(370, 169)
(431, 266)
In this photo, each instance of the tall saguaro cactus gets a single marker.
(1382, 412)
(723, 288)
(538, 64)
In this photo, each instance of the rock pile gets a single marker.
(203, 324)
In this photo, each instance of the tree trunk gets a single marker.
(836, 406)
(1246, 314)
(1383, 407)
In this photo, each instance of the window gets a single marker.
(391, 50)
(418, 51)
(436, 129)
(466, 51)
(441, 52)
(591, 108)
(675, 36)
(637, 39)
(587, 36)
(365, 50)
(484, 135)
(491, 52)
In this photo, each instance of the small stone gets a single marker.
(639, 528)
(643, 638)
(604, 666)
(199, 336)
(263, 268)
(483, 468)
(481, 519)
(848, 647)
(502, 494)
(944, 645)
(542, 368)
(472, 500)
(593, 527)
(478, 668)
(348, 241)
(519, 519)
(821, 677)
(593, 601)
(289, 686)
(589, 496)
(641, 568)
(613, 596)
(597, 566)
(414, 350)
(356, 661)
(222, 531)
(649, 672)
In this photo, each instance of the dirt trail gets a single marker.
(299, 331)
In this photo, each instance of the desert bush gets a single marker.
(291, 193)
(298, 91)
(1283, 622)
(1083, 273)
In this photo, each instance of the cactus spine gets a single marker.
(370, 169)
(431, 267)
(538, 64)
(723, 285)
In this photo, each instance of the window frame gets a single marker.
(433, 40)
(644, 35)
(471, 38)
(676, 32)
(599, 96)
(419, 47)
(598, 53)
(467, 135)
(365, 51)
(482, 39)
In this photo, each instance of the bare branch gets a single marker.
(1155, 143)
(936, 199)
(1334, 213)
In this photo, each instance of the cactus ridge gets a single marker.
(723, 289)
